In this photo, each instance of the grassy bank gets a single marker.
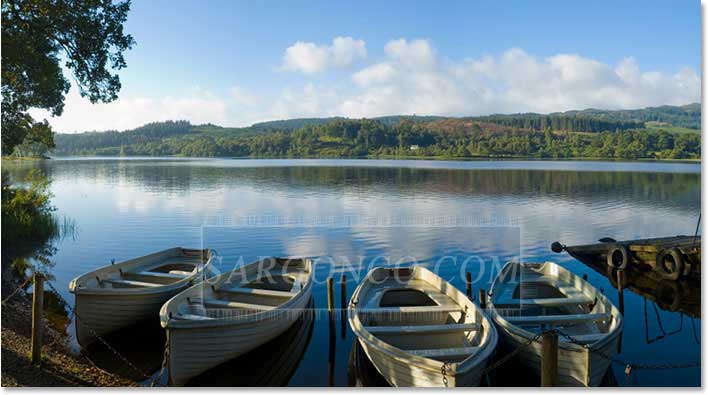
(59, 366)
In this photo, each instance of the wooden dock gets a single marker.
(671, 258)
(681, 296)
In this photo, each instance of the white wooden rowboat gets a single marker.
(120, 294)
(413, 325)
(233, 313)
(528, 298)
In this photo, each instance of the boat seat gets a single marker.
(558, 319)
(130, 283)
(158, 275)
(457, 352)
(234, 305)
(576, 299)
(420, 329)
(194, 317)
(258, 292)
(412, 309)
(181, 273)
(589, 338)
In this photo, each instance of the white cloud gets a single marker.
(129, 112)
(310, 101)
(414, 80)
(411, 78)
(310, 58)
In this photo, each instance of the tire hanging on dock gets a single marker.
(675, 271)
(618, 257)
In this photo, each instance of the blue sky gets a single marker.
(237, 62)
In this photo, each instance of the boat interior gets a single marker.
(541, 297)
(413, 314)
(156, 272)
(261, 286)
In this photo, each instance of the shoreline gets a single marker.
(59, 367)
(379, 157)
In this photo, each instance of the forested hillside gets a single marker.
(580, 134)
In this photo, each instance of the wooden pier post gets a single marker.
(585, 276)
(37, 308)
(468, 280)
(343, 302)
(343, 293)
(330, 294)
(483, 298)
(620, 289)
(620, 297)
(549, 359)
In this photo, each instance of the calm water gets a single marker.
(355, 214)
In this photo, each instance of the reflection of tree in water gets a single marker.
(680, 190)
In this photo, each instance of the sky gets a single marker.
(233, 63)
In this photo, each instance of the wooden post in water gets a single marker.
(620, 289)
(343, 293)
(343, 302)
(620, 296)
(468, 280)
(585, 277)
(37, 307)
(549, 359)
(330, 294)
(482, 298)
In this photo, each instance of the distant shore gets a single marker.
(379, 157)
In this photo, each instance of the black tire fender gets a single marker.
(618, 257)
(679, 265)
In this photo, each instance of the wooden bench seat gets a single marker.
(412, 309)
(233, 305)
(558, 319)
(157, 275)
(257, 292)
(547, 302)
(193, 317)
(130, 283)
(420, 329)
(458, 352)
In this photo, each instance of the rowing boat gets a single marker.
(120, 294)
(529, 298)
(233, 313)
(420, 331)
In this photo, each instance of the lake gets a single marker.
(355, 214)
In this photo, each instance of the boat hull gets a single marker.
(400, 373)
(100, 314)
(577, 366)
(194, 350)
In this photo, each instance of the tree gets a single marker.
(87, 35)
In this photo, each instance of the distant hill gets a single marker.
(688, 116)
(656, 132)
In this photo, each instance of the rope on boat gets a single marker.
(22, 286)
(72, 311)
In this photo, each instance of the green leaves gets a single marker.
(36, 34)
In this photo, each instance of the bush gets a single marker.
(27, 213)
